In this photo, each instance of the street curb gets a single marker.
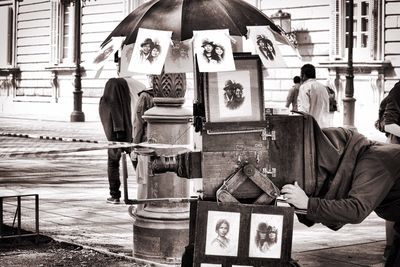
(113, 254)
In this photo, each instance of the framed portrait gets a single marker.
(222, 234)
(235, 234)
(235, 95)
(265, 235)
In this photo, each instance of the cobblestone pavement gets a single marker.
(73, 188)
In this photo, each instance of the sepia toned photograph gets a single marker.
(222, 233)
(236, 95)
(265, 236)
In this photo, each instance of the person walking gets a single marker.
(313, 97)
(389, 113)
(115, 109)
(293, 94)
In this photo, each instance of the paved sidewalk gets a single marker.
(73, 188)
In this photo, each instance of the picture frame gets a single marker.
(241, 226)
(233, 96)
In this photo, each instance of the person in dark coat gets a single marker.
(115, 115)
(353, 177)
(389, 114)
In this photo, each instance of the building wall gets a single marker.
(311, 23)
(47, 90)
(32, 50)
(392, 42)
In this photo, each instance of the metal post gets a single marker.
(19, 215)
(1, 217)
(77, 115)
(125, 177)
(349, 100)
(37, 218)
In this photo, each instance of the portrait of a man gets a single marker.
(234, 95)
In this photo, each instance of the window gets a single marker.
(67, 33)
(6, 36)
(62, 32)
(366, 29)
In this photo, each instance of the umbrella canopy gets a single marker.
(182, 17)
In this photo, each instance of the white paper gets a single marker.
(214, 50)
(150, 51)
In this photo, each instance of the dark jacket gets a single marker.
(351, 177)
(390, 110)
(115, 110)
(144, 103)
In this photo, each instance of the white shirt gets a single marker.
(314, 100)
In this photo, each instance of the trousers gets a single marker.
(114, 157)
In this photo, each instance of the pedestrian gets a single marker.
(389, 113)
(144, 103)
(313, 97)
(293, 94)
(115, 110)
(352, 177)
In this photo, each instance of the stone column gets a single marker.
(161, 229)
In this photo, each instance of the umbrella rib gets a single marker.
(128, 37)
(223, 8)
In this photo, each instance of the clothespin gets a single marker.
(231, 38)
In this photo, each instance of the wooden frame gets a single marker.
(243, 226)
(235, 95)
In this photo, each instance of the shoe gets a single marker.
(113, 200)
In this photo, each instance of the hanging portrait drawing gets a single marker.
(180, 57)
(214, 51)
(150, 51)
(266, 46)
(126, 55)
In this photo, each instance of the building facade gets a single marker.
(37, 52)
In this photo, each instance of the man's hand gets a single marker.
(294, 195)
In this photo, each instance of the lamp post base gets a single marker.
(77, 116)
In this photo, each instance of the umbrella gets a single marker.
(182, 17)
